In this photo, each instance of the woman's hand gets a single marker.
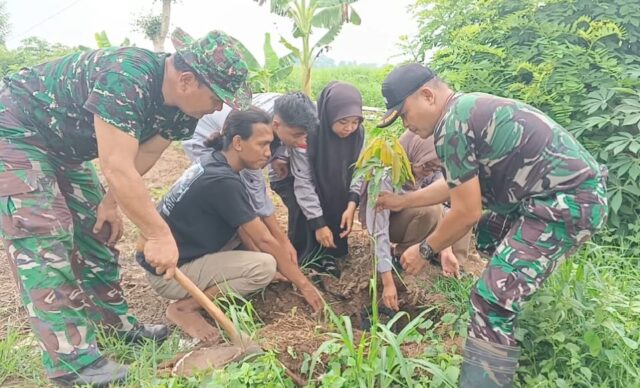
(347, 219)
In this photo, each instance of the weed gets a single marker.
(20, 360)
(456, 291)
(583, 328)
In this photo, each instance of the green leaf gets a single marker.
(329, 36)
(632, 102)
(635, 190)
(559, 336)
(593, 342)
(271, 61)
(355, 18)
(449, 318)
(586, 372)
(616, 201)
(294, 50)
(287, 60)
(624, 90)
(282, 73)
(573, 348)
(250, 60)
(630, 343)
(631, 119)
(619, 148)
(634, 172)
(102, 40)
(278, 7)
(328, 18)
(627, 109)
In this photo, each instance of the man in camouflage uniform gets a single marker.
(124, 106)
(545, 196)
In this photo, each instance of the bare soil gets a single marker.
(289, 326)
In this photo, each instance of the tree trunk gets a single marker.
(306, 79)
(158, 45)
(305, 65)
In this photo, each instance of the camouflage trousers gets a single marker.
(525, 248)
(67, 277)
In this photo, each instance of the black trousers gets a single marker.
(297, 228)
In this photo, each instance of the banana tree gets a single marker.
(307, 15)
(275, 68)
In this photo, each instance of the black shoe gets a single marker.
(101, 373)
(141, 332)
(324, 265)
(329, 266)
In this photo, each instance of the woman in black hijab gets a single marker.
(333, 151)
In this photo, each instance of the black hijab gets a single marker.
(331, 157)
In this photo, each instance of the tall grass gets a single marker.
(375, 358)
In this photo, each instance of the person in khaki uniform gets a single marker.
(205, 209)
(408, 226)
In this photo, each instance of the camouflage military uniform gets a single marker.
(545, 193)
(49, 191)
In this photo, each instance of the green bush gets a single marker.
(32, 51)
(583, 328)
(577, 60)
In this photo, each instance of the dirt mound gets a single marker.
(293, 336)
(292, 330)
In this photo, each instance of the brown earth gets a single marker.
(289, 328)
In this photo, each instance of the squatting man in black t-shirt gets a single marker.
(205, 209)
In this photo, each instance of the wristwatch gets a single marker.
(427, 252)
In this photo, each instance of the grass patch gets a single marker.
(20, 362)
(582, 329)
(456, 291)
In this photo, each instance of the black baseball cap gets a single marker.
(402, 82)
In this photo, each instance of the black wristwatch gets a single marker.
(427, 252)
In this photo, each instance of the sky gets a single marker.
(74, 22)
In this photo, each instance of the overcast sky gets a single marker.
(73, 22)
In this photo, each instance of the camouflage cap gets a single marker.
(217, 58)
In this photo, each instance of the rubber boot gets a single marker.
(102, 373)
(488, 365)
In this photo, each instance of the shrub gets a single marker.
(577, 60)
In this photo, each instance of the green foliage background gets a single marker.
(367, 79)
(577, 60)
(31, 51)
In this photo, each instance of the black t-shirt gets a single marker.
(204, 208)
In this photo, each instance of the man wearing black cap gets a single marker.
(545, 195)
